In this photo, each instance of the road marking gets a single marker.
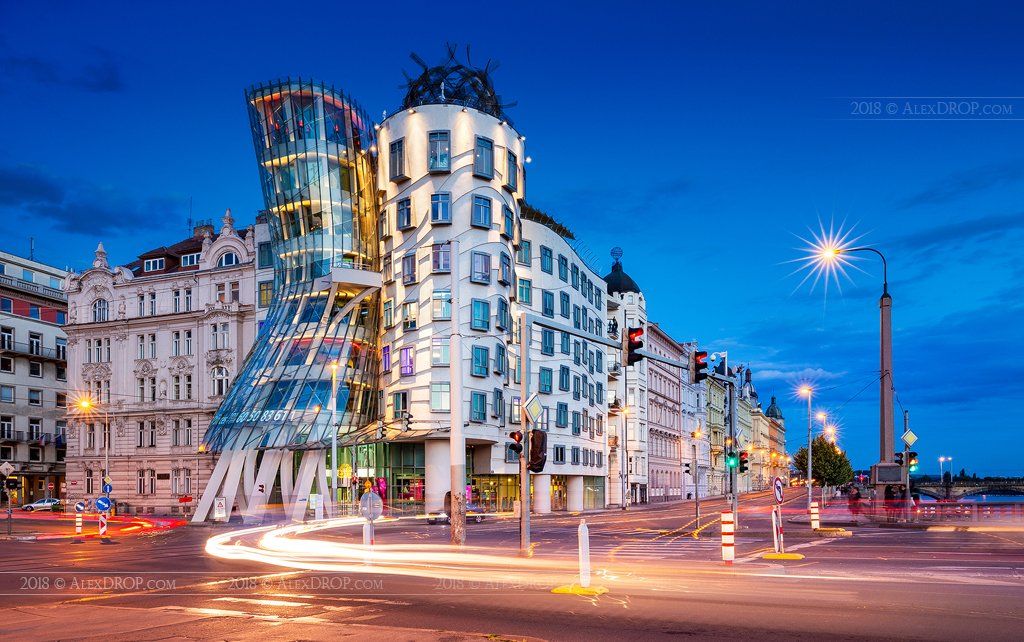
(261, 602)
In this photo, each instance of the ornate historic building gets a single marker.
(153, 347)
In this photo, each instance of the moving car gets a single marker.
(473, 514)
(50, 503)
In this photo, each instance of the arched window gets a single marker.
(227, 259)
(100, 310)
(220, 381)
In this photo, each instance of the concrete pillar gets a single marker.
(541, 494)
(574, 503)
(887, 436)
(438, 463)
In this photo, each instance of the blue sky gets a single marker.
(700, 140)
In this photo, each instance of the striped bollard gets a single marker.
(728, 538)
(78, 528)
(815, 518)
(103, 528)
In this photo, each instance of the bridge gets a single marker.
(959, 489)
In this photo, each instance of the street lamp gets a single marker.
(87, 406)
(806, 391)
(334, 438)
(945, 459)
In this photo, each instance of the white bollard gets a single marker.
(368, 533)
(584, 542)
(775, 531)
(815, 517)
(728, 538)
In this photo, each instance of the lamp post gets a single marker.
(807, 391)
(334, 439)
(941, 469)
(87, 405)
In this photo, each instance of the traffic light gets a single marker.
(408, 422)
(744, 461)
(380, 430)
(538, 450)
(634, 343)
(12, 483)
(731, 460)
(261, 488)
(517, 442)
(699, 366)
(913, 462)
(687, 469)
(899, 459)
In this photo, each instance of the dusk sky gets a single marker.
(702, 141)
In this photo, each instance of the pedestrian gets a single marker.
(853, 499)
(890, 504)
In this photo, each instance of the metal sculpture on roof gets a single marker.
(455, 83)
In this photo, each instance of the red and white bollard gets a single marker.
(78, 528)
(728, 537)
(779, 540)
(103, 528)
(815, 517)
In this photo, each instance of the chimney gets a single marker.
(199, 231)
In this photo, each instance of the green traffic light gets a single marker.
(731, 462)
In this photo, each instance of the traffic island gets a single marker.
(576, 589)
(832, 532)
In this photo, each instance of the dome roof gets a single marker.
(773, 410)
(618, 281)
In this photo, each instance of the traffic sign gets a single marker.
(909, 437)
(6, 468)
(534, 408)
(103, 503)
(184, 499)
(107, 479)
(777, 487)
(74, 482)
(79, 507)
(107, 488)
(371, 506)
(50, 486)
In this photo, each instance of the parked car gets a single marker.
(50, 504)
(473, 513)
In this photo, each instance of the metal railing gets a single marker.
(34, 288)
(34, 350)
(970, 511)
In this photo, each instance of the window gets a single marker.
(547, 303)
(188, 342)
(481, 212)
(478, 407)
(575, 276)
(33, 311)
(440, 354)
(481, 268)
(399, 404)
(512, 171)
(265, 258)
(575, 423)
(7, 338)
(483, 159)
(35, 369)
(61, 317)
(575, 455)
(35, 343)
(563, 378)
(7, 427)
(525, 291)
(409, 268)
(152, 304)
(7, 364)
(563, 268)
(545, 380)
(500, 359)
(152, 265)
(100, 309)
(509, 227)
(441, 305)
(219, 335)
(498, 405)
(220, 381)
(562, 415)
(559, 455)
(481, 315)
(385, 358)
(564, 305)
(547, 341)
(385, 268)
(502, 321)
(409, 315)
(228, 259)
(407, 364)
(439, 144)
(440, 396)
(6, 305)
(384, 225)
(35, 397)
(441, 208)
(403, 214)
(188, 299)
(442, 257)
(546, 260)
(505, 273)
(265, 294)
(389, 314)
(396, 160)
(481, 361)
(523, 254)
(152, 344)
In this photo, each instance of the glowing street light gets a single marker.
(806, 391)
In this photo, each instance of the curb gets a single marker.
(576, 589)
(782, 556)
(832, 532)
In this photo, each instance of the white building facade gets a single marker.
(153, 347)
(664, 417)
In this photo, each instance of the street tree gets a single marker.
(831, 465)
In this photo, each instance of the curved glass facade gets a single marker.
(316, 156)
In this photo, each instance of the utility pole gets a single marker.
(696, 487)
(733, 472)
(456, 436)
(524, 425)
(907, 500)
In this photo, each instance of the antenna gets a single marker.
(31, 248)
(190, 215)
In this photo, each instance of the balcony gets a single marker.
(614, 370)
(33, 351)
(32, 288)
(7, 435)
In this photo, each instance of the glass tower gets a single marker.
(316, 156)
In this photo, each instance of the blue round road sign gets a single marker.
(103, 503)
(79, 507)
(107, 488)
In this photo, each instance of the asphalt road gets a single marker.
(665, 580)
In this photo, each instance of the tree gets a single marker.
(831, 467)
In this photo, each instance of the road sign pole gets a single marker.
(79, 507)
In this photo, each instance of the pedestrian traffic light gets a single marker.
(699, 367)
(731, 460)
(899, 459)
(744, 461)
(913, 462)
(517, 442)
(634, 343)
(538, 450)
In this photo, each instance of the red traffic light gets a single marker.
(634, 343)
(700, 366)
(517, 441)
(635, 334)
